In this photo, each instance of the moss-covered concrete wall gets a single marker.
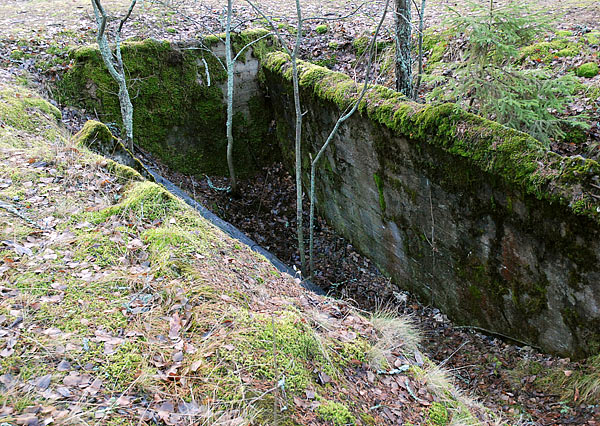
(178, 116)
(476, 218)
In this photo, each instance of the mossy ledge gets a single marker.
(517, 158)
(98, 137)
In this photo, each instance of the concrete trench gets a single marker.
(453, 217)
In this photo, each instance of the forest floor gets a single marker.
(508, 378)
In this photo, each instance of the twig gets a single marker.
(12, 209)
(495, 333)
(217, 188)
(453, 353)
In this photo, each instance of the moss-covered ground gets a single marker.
(570, 54)
(120, 305)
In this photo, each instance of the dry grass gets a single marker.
(582, 384)
(400, 335)
(395, 334)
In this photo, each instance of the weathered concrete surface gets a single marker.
(484, 251)
(178, 115)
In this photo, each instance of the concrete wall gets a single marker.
(488, 252)
(177, 116)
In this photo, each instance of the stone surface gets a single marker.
(476, 219)
(482, 250)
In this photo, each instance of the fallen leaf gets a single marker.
(73, 379)
(124, 401)
(175, 326)
(43, 382)
(64, 365)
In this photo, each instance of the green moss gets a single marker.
(369, 420)
(99, 247)
(512, 157)
(437, 415)
(96, 303)
(475, 292)
(95, 135)
(361, 44)
(335, 413)
(567, 52)
(321, 29)
(435, 45)
(98, 137)
(124, 173)
(143, 201)
(124, 366)
(348, 353)
(18, 403)
(22, 110)
(327, 62)
(333, 45)
(564, 33)
(379, 184)
(35, 283)
(298, 349)
(592, 38)
(265, 45)
(575, 135)
(588, 70)
(546, 51)
(17, 54)
(172, 248)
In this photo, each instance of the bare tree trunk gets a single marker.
(403, 54)
(229, 66)
(421, 29)
(340, 121)
(116, 70)
(298, 141)
(230, 63)
(298, 136)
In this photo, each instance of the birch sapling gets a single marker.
(345, 116)
(114, 64)
(230, 62)
(299, 115)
